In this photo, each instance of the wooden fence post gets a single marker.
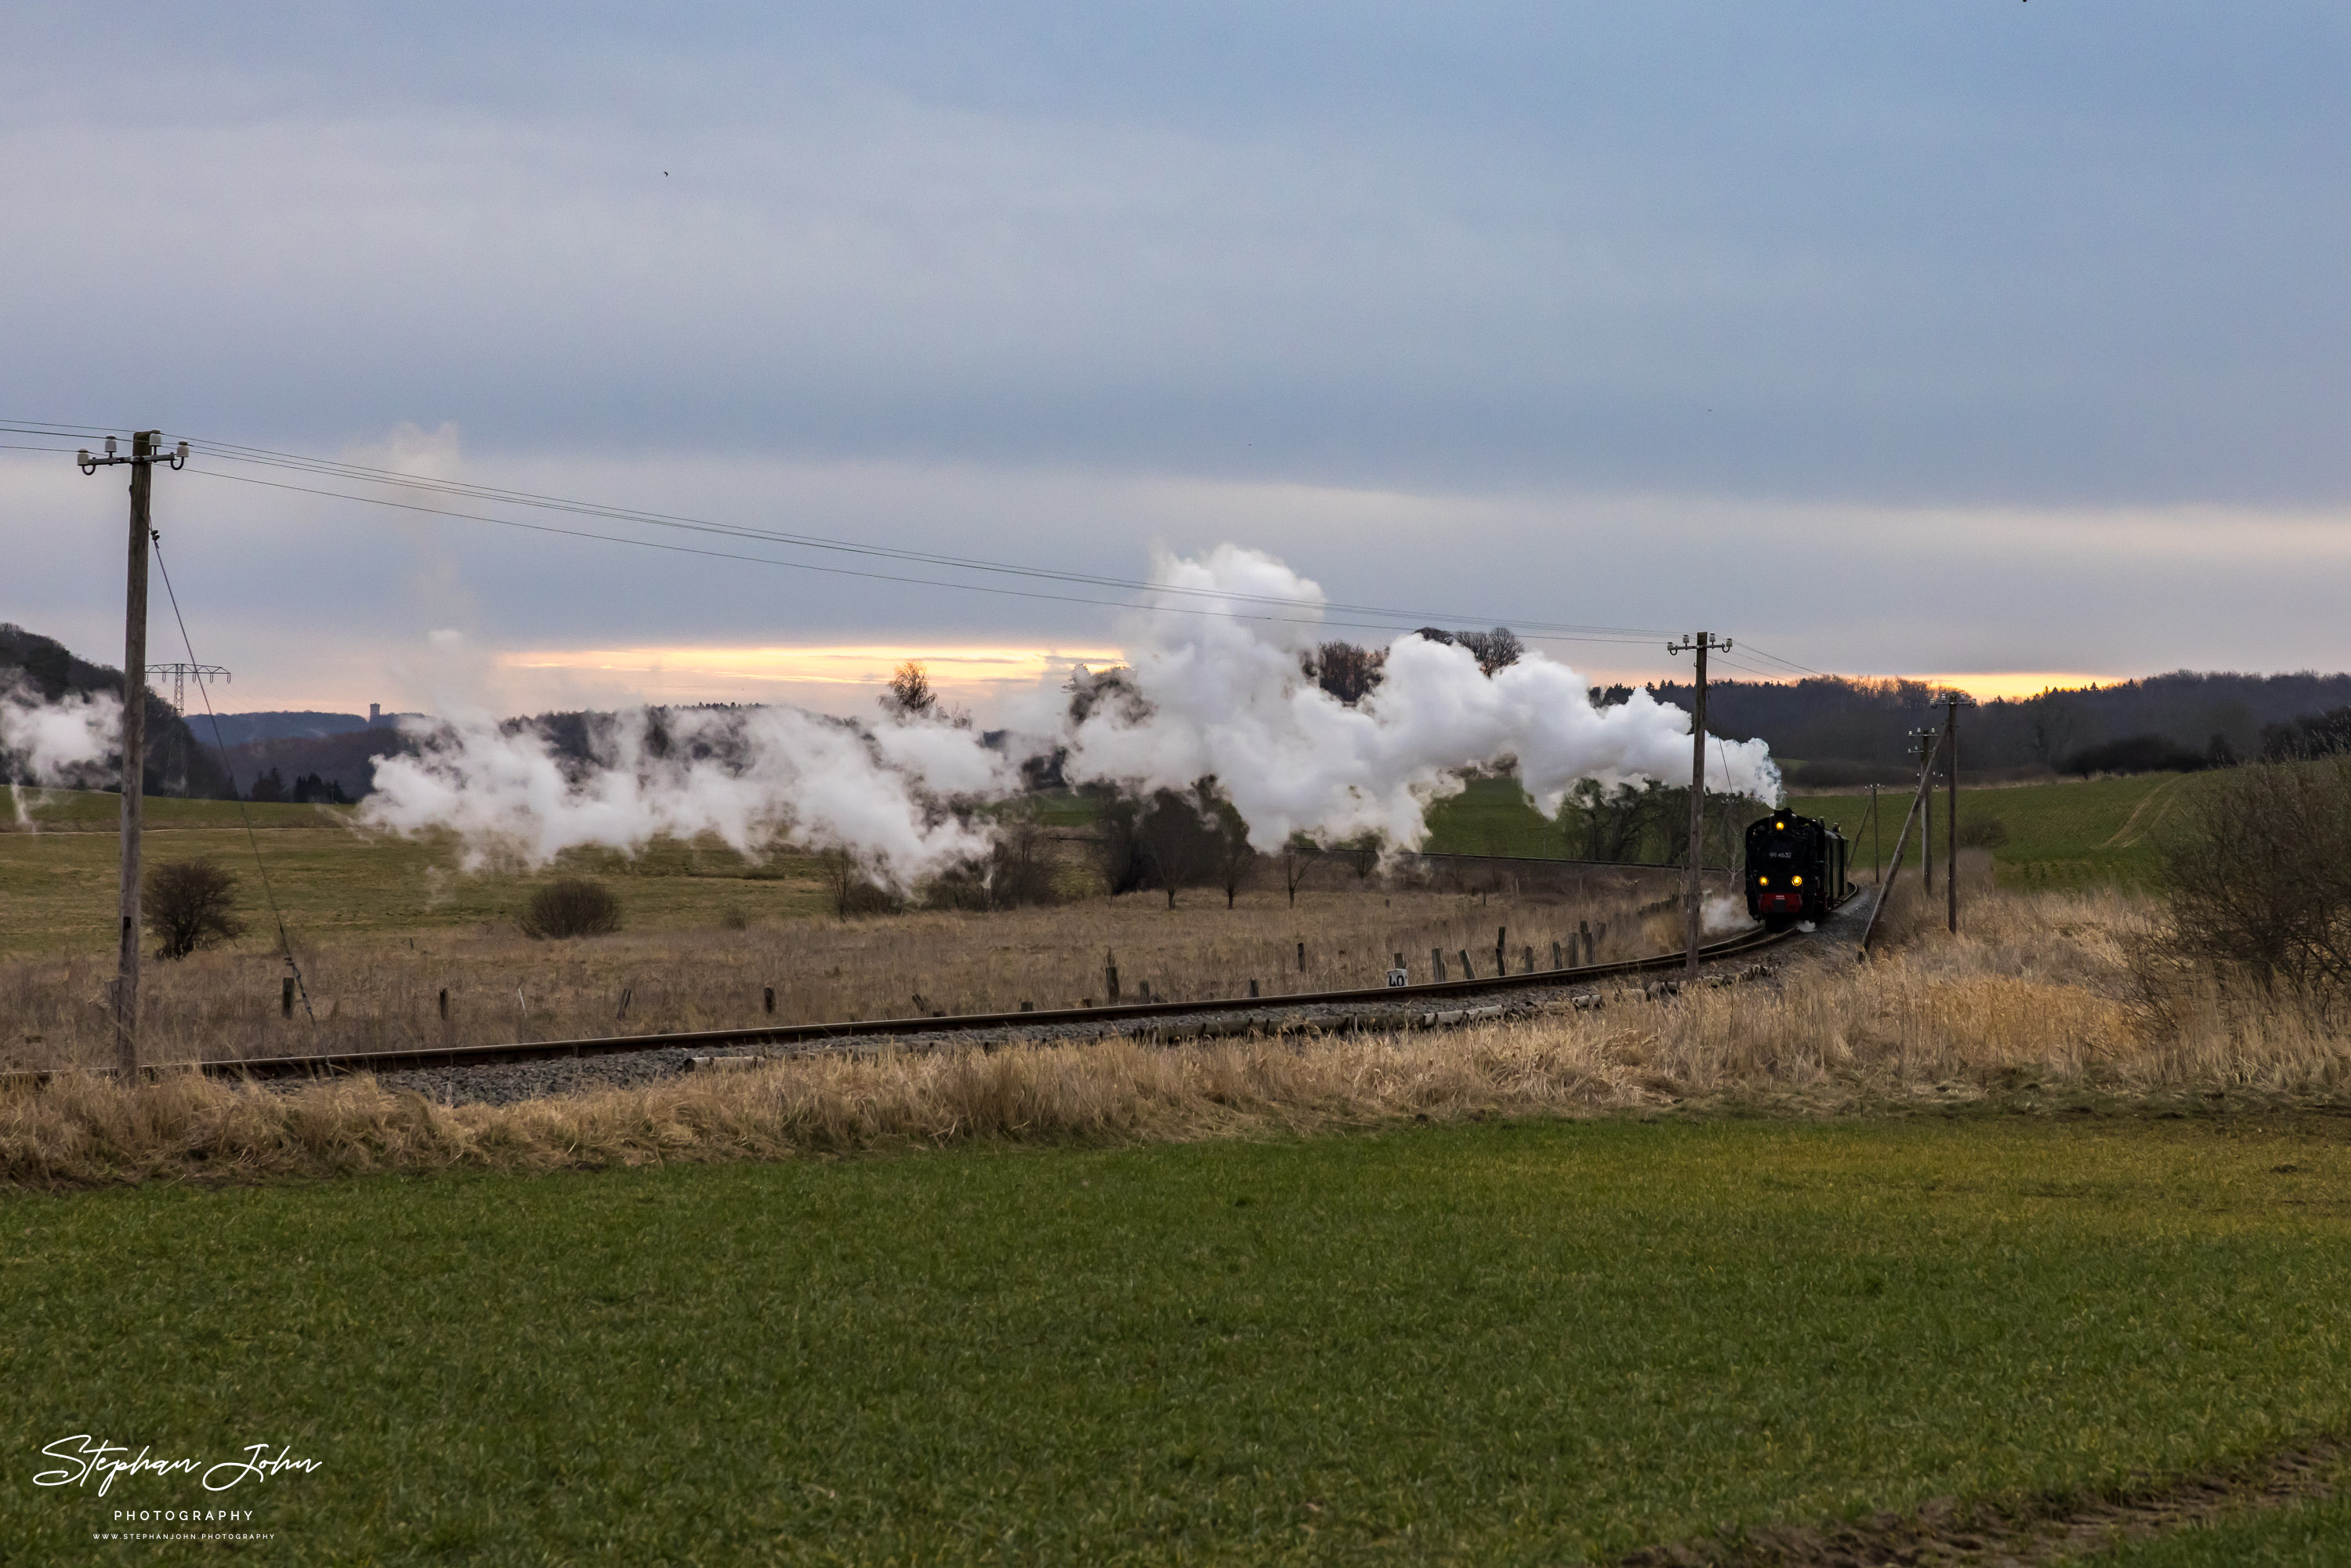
(1437, 964)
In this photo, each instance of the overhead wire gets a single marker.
(1384, 618)
(285, 943)
(1398, 624)
(264, 457)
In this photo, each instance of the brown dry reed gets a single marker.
(2032, 1008)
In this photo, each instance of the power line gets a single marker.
(284, 942)
(1398, 625)
(1389, 618)
(262, 457)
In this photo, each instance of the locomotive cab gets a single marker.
(1795, 869)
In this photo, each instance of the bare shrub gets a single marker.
(1982, 833)
(851, 890)
(188, 905)
(2256, 886)
(1018, 870)
(570, 906)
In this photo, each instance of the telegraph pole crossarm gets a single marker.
(145, 453)
(1694, 894)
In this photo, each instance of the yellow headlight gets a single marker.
(1779, 827)
(1763, 881)
(1795, 881)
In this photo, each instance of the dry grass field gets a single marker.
(2031, 1010)
(383, 927)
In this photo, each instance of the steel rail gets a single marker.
(329, 1064)
(334, 1064)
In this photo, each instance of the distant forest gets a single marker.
(1828, 731)
(43, 667)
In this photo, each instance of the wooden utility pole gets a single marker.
(1926, 740)
(1951, 845)
(1918, 797)
(142, 459)
(1694, 894)
(1876, 845)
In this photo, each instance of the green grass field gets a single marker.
(2059, 835)
(1499, 1343)
(57, 885)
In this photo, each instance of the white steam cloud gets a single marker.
(70, 741)
(751, 776)
(1220, 694)
(1225, 695)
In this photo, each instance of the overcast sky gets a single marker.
(1972, 336)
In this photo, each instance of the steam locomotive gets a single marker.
(1795, 869)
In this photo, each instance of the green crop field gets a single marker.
(2058, 834)
(1531, 1342)
(57, 884)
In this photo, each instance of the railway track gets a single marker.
(806, 1037)
(818, 1035)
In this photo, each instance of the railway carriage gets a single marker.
(1795, 869)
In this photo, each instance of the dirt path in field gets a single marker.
(2139, 824)
(2040, 1530)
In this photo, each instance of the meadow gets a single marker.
(383, 927)
(2063, 834)
(2072, 833)
(1497, 1342)
(1841, 1241)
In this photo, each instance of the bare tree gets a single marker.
(2256, 880)
(1297, 860)
(1495, 650)
(1179, 849)
(1347, 672)
(188, 905)
(1612, 820)
(1235, 858)
(851, 890)
(1118, 847)
(910, 695)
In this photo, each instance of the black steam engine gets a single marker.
(1795, 869)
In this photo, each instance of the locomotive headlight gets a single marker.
(1779, 827)
(1795, 881)
(1763, 881)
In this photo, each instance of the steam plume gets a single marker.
(1214, 695)
(70, 741)
(1224, 695)
(748, 776)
